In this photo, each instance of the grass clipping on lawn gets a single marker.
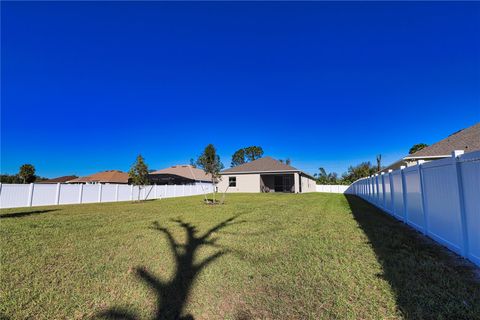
(270, 256)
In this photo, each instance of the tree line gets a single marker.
(26, 174)
(209, 162)
(358, 171)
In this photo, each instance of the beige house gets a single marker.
(265, 175)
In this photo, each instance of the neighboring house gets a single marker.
(109, 176)
(265, 175)
(63, 179)
(467, 139)
(179, 174)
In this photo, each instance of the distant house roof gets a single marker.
(62, 179)
(109, 176)
(467, 139)
(265, 164)
(185, 171)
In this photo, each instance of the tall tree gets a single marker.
(379, 162)
(253, 153)
(210, 162)
(138, 173)
(417, 147)
(26, 173)
(327, 178)
(10, 178)
(238, 158)
(361, 170)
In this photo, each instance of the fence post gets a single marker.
(99, 192)
(80, 193)
(461, 200)
(57, 195)
(174, 190)
(131, 192)
(404, 194)
(155, 191)
(116, 192)
(30, 195)
(183, 190)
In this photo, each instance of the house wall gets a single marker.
(308, 184)
(253, 182)
(245, 183)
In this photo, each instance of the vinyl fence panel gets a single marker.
(470, 178)
(44, 194)
(414, 198)
(90, 193)
(331, 188)
(27, 195)
(14, 195)
(442, 201)
(388, 193)
(69, 193)
(440, 198)
(397, 194)
(108, 193)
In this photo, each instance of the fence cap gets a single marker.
(402, 167)
(456, 153)
(390, 170)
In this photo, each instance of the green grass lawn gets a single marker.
(262, 256)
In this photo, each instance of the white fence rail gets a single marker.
(439, 198)
(30, 195)
(334, 188)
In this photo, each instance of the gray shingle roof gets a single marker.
(261, 165)
(186, 171)
(467, 139)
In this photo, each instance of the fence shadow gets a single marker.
(429, 282)
(171, 296)
(24, 213)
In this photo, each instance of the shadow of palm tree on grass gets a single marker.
(172, 295)
(428, 281)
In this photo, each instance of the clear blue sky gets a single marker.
(87, 86)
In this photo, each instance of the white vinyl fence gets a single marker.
(334, 188)
(439, 198)
(29, 195)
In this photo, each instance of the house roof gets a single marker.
(261, 165)
(62, 179)
(185, 171)
(265, 164)
(467, 139)
(109, 176)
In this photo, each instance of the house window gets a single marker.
(232, 181)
